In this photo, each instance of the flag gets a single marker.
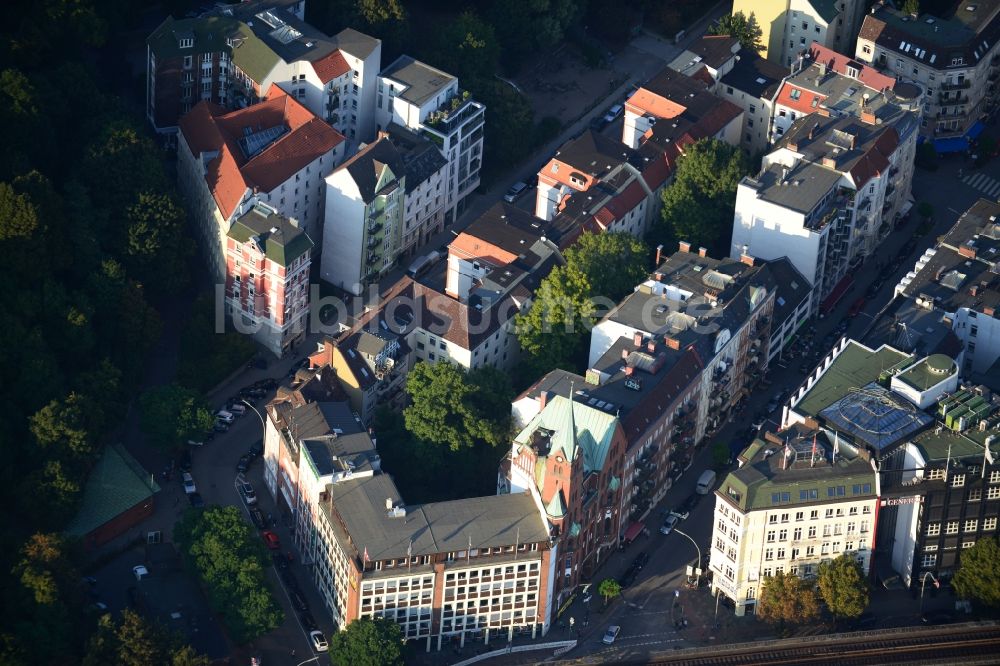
(812, 458)
(409, 552)
(836, 444)
(365, 556)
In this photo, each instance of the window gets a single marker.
(951, 527)
(936, 474)
(186, 42)
(928, 560)
(990, 523)
(968, 544)
(975, 494)
(814, 514)
(970, 525)
(993, 492)
(995, 477)
(795, 93)
(188, 60)
(770, 536)
(934, 529)
(783, 535)
(797, 534)
(810, 494)
(812, 532)
(835, 491)
(958, 481)
(866, 49)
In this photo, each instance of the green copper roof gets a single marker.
(855, 367)
(254, 56)
(595, 430)
(209, 35)
(116, 484)
(283, 241)
(929, 372)
(556, 507)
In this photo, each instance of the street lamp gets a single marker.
(259, 415)
(923, 581)
(698, 548)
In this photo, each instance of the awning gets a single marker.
(838, 293)
(634, 530)
(953, 145)
(976, 129)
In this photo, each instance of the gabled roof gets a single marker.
(556, 508)
(330, 66)
(208, 129)
(368, 166)
(115, 484)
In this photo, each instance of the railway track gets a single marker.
(980, 646)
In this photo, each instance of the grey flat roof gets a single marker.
(421, 80)
(806, 186)
(439, 527)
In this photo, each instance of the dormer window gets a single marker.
(186, 42)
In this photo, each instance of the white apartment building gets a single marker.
(275, 152)
(798, 498)
(365, 202)
(789, 26)
(953, 57)
(430, 102)
(827, 195)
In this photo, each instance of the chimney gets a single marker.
(651, 345)
(830, 162)
(659, 253)
(812, 130)
(939, 272)
(810, 423)
(684, 246)
(988, 310)
(967, 251)
(382, 134)
(637, 339)
(702, 251)
(672, 343)
(658, 276)
(625, 353)
(543, 399)
(867, 117)
(822, 70)
(973, 290)
(854, 141)
(784, 173)
(388, 504)
(746, 259)
(629, 370)
(823, 112)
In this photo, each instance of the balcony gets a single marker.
(333, 104)
(453, 113)
(374, 228)
(947, 98)
(964, 84)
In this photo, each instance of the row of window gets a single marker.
(828, 530)
(970, 525)
(837, 512)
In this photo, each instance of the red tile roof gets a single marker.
(704, 76)
(331, 66)
(208, 128)
(876, 160)
(804, 104)
(838, 62)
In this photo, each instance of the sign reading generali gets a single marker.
(897, 501)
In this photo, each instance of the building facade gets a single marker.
(953, 58)
(431, 103)
(789, 26)
(267, 277)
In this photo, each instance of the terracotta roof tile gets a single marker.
(838, 62)
(876, 160)
(331, 66)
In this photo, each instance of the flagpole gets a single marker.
(468, 553)
(947, 465)
(517, 541)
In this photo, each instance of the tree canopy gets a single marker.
(173, 414)
(976, 577)
(368, 642)
(613, 263)
(698, 205)
(227, 556)
(843, 586)
(609, 589)
(742, 27)
(551, 332)
(785, 598)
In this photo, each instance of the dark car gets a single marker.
(280, 561)
(597, 123)
(220, 427)
(244, 463)
(937, 617)
(856, 306)
(307, 621)
(196, 500)
(256, 449)
(641, 560)
(185, 461)
(257, 518)
(298, 601)
(690, 503)
(629, 576)
(289, 578)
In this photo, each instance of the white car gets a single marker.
(140, 572)
(249, 496)
(318, 641)
(611, 634)
(188, 481)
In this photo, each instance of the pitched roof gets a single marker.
(755, 75)
(299, 138)
(115, 484)
(595, 430)
(281, 238)
(208, 34)
(331, 66)
(838, 62)
(367, 167)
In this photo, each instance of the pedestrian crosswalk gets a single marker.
(988, 186)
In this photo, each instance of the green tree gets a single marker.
(368, 642)
(156, 237)
(911, 7)
(745, 29)
(613, 263)
(609, 589)
(186, 656)
(458, 408)
(377, 12)
(62, 426)
(208, 352)
(46, 569)
(18, 217)
(139, 642)
(720, 454)
(172, 414)
(528, 26)
(120, 163)
(976, 577)
(102, 646)
(925, 210)
(467, 47)
(698, 205)
(843, 586)
(229, 559)
(786, 599)
(551, 331)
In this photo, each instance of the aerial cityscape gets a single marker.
(384, 332)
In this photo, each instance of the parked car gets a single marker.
(597, 123)
(280, 561)
(691, 502)
(515, 192)
(680, 513)
(271, 539)
(286, 575)
(246, 489)
(243, 464)
(140, 572)
(669, 524)
(238, 409)
(298, 601)
(629, 576)
(220, 426)
(307, 621)
(856, 306)
(256, 449)
(318, 641)
(196, 500)
(184, 462)
(224, 416)
(613, 113)
(641, 560)
(611, 634)
(257, 517)
(188, 482)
